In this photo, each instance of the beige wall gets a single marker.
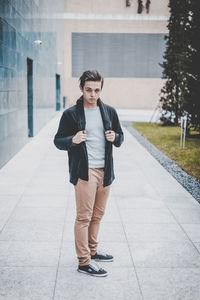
(123, 92)
(157, 7)
(120, 92)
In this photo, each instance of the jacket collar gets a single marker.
(81, 114)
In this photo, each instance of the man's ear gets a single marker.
(81, 88)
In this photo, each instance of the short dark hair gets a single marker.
(90, 75)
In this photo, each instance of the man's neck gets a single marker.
(88, 105)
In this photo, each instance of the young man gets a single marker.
(88, 130)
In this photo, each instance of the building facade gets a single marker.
(31, 70)
(125, 46)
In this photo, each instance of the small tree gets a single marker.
(192, 97)
(175, 63)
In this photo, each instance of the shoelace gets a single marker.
(102, 253)
(95, 266)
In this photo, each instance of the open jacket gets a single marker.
(72, 121)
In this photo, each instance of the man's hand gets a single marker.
(110, 135)
(79, 137)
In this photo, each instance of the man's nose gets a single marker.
(92, 93)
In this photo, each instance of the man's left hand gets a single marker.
(110, 135)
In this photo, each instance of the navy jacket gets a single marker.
(72, 121)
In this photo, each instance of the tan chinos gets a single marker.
(91, 198)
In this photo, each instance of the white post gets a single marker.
(183, 131)
(184, 126)
(181, 140)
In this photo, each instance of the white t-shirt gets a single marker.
(95, 141)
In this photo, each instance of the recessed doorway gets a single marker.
(30, 96)
(57, 92)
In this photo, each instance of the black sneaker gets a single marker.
(100, 256)
(93, 270)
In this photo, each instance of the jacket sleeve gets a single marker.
(63, 137)
(119, 135)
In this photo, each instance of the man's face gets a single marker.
(91, 92)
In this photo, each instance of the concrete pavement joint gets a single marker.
(61, 242)
(128, 246)
(184, 231)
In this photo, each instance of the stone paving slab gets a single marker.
(157, 232)
(151, 226)
(119, 285)
(27, 283)
(36, 254)
(165, 254)
(170, 283)
(36, 231)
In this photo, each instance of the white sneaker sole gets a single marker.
(96, 275)
(106, 260)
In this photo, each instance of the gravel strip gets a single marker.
(191, 184)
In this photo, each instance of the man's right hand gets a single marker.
(79, 137)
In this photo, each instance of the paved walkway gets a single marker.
(151, 226)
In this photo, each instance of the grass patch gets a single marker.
(167, 139)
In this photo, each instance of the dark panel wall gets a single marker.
(18, 31)
(118, 54)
